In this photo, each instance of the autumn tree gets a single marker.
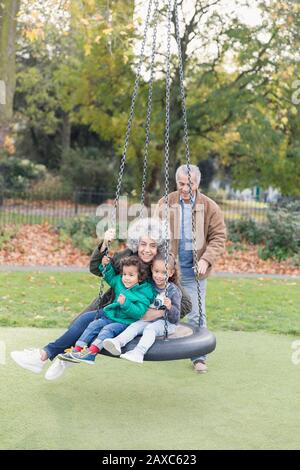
(8, 21)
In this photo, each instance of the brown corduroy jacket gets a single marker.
(210, 227)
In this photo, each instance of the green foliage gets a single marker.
(51, 188)
(295, 260)
(17, 174)
(82, 231)
(245, 230)
(279, 237)
(283, 235)
(6, 234)
(89, 168)
(8, 14)
(78, 80)
(291, 206)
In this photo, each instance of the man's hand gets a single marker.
(105, 260)
(202, 266)
(167, 303)
(121, 299)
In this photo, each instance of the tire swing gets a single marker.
(187, 341)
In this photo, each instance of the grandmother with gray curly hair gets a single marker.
(145, 240)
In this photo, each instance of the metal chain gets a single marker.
(149, 108)
(101, 289)
(127, 136)
(188, 159)
(131, 115)
(167, 158)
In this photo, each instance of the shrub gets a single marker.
(282, 235)
(246, 230)
(291, 205)
(295, 260)
(18, 174)
(89, 168)
(6, 234)
(82, 231)
(51, 187)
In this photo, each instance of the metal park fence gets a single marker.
(25, 209)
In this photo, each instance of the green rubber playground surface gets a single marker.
(250, 399)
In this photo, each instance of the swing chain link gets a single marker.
(167, 158)
(131, 116)
(149, 108)
(188, 159)
(101, 289)
(128, 131)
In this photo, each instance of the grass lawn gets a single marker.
(52, 300)
(250, 399)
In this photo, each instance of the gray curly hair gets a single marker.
(147, 227)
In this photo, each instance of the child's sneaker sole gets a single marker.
(86, 361)
(62, 357)
(111, 348)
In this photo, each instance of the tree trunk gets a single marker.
(152, 184)
(66, 133)
(8, 24)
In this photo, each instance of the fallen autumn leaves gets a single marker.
(40, 245)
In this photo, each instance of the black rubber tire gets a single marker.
(201, 342)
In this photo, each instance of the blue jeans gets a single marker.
(99, 330)
(190, 285)
(70, 337)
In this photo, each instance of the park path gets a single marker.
(74, 269)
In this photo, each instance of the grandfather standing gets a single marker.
(210, 240)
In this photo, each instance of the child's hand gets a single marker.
(105, 260)
(167, 303)
(121, 299)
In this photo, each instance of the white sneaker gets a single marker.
(57, 369)
(29, 359)
(134, 356)
(113, 346)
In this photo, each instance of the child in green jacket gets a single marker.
(133, 295)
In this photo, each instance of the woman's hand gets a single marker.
(109, 236)
(121, 299)
(105, 260)
(167, 303)
(152, 314)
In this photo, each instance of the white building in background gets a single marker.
(248, 194)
